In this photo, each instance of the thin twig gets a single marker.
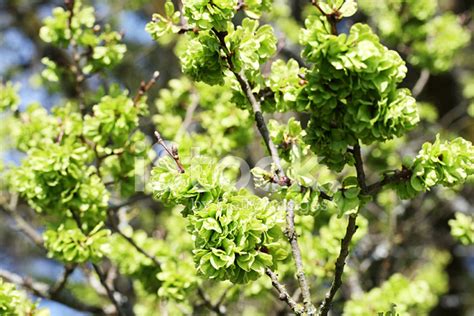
(188, 118)
(110, 292)
(283, 293)
(340, 263)
(216, 308)
(136, 246)
(359, 168)
(100, 275)
(173, 152)
(43, 290)
(144, 87)
(421, 82)
(295, 249)
(131, 200)
(332, 18)
(22, 225)
(61, 283)
(398, 176)
(224, 295)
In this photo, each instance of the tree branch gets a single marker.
(421, 83)
(144, 87)
(217, 308)
(137, 247)
(359, 165)
(43, 290)
(283, 293)
(281, 178)
(110, 292)
(346, 241)
(340, 263)
(256, 107)
(103, 280)
(398, 176)
(61, 283)
(23, 226)
(173, 152)
(295, 249)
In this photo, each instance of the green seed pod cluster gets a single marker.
(201, 183)
(172, 279)
(104, 46)
(417, 25)
(445, 163)
(9, 98)
(201, 58)
(237, 237)
(207, 14)
(462, 228)
(57, 181)
(70, 244)
(352, 91)
(16, 302)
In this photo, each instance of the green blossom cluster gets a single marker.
(251, 46)
(103, 46)
(285, 81)
(36, 128)
(172, 103)
(236, 234)
(57, 181)
(227, 127)
(201, 182)
(462, 228)
(432, 39)
(163, 25)
(445, 163)
(348, 198)
(237, 237)
(352, 91)
(255, 8)
(288, 138)
(202, 15)
(9, 98)
(69, 244)
(112, 128)
(201, 58)
(338, 8)
(468, 93)
(14, 302)
(208, 14)
(213, 113)
(445, 37)
(173, 279)
(412, 296)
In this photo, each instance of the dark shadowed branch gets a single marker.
(340, 264)
(61, 283)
